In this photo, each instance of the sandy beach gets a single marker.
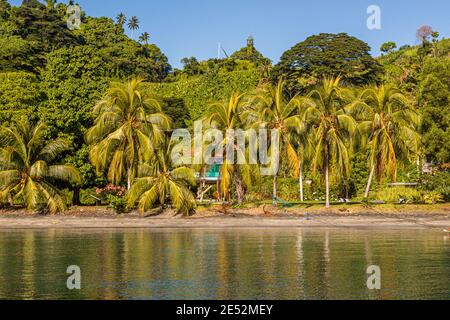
(259, 217)
(220, 222)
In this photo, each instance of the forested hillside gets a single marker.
(53, 74)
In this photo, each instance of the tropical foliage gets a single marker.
(158, 181)
(224, 117)
(348, 123)
(333, 130)
(389, 122)
(28, 170)
(272, 110)
(128, 126)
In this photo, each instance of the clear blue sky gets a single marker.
(184, 28)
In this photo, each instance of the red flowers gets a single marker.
(111, 189)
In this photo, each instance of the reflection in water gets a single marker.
(224, 264)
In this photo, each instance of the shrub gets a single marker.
(115, 196)
(117, 203)
(395, 194)
(433, 198)
(438, 181)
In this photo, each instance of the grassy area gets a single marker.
(353, 208)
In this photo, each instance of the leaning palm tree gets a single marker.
(270, 108)
(225, 116)
(143, 38)
(129, 124)
(133, 24)
(121, 19)
(160, 183)
(389, 127)
(323, 108)
(27, 171)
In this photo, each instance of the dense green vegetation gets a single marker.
(349, 123)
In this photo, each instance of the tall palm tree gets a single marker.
(270, 108)
(302, 140)
(389, 127)
(159, 182)
(225, 116)
(26, 167)
(144, 38)
(50, 4)
(121, 19)
(129, 124)
(323, 107)
(133, 24)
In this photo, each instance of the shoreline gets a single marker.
(92, 223)
(344, 216)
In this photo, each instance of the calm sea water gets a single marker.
(225, 264)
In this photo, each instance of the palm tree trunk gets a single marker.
(300, 179)
(129, 179)
(239, 188)
(327, 182)
(369, 182)
(76, 197)
(275, 181)
(10, 200)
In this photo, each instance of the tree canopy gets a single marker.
(329, 55)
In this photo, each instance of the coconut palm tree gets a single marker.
(27, 171)
(270, 108)
(302, 141)
(323, 108)
(224, 116)
(389, 128)
(50, 4)
(129, 124)
(121, 19)
(144, 38)
(133, 24)
(160, 183)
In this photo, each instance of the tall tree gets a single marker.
(133, 24)
(328, 55)
(274, 110)
(129, 125)
(50, 4)
(143, 38)
(424, 33)
(323, 107)
(121, 19)
(390, 124)
(302, 140)
(224, 117)
(27, 169)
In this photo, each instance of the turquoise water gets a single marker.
(225, 264)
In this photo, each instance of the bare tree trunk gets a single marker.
(369, 182)
(300, 179)
(10, 200)
(275, 180)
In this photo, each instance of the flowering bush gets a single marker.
(115, 196)
(111, 189)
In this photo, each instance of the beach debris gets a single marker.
(266, 212)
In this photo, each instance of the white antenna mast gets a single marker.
(219, 49)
